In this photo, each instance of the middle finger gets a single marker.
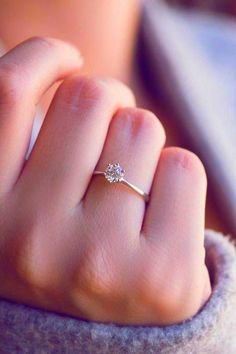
(71, 139)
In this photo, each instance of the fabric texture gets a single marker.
(212, 330)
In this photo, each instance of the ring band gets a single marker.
(114, 173)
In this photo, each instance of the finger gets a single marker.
(72, 137)
(134, 140)
(26, 72)
(177, 202)
(175, 217)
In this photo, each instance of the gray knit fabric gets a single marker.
(212, 330)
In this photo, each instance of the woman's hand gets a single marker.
(70, 241)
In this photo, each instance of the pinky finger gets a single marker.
(175, 216)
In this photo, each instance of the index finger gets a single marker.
(26, 72)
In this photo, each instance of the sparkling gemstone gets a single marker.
(114, 172)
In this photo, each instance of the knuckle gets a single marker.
(31, 273)
(92, 91)
(186, 160)
(30, 263)
(43, 43)
(148, 121)
(144, 122)
(147, 285)
(12, 80)
(93, 275)
(95, 92)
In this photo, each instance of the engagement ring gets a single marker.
(114, 173)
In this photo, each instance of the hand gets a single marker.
(70, 241)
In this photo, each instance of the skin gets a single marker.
(82, 22)
(79, 22)
(65, 234)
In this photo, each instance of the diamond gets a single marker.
(114, 173)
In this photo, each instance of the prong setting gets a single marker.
(114, 173)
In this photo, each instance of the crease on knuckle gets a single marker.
(80, 92)
(144, 122)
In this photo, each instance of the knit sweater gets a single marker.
(213, 330)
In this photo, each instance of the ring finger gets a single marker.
(134, 140)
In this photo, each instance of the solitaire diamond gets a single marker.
(114, 173)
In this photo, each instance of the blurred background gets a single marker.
(187, 60)
(221, 6)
